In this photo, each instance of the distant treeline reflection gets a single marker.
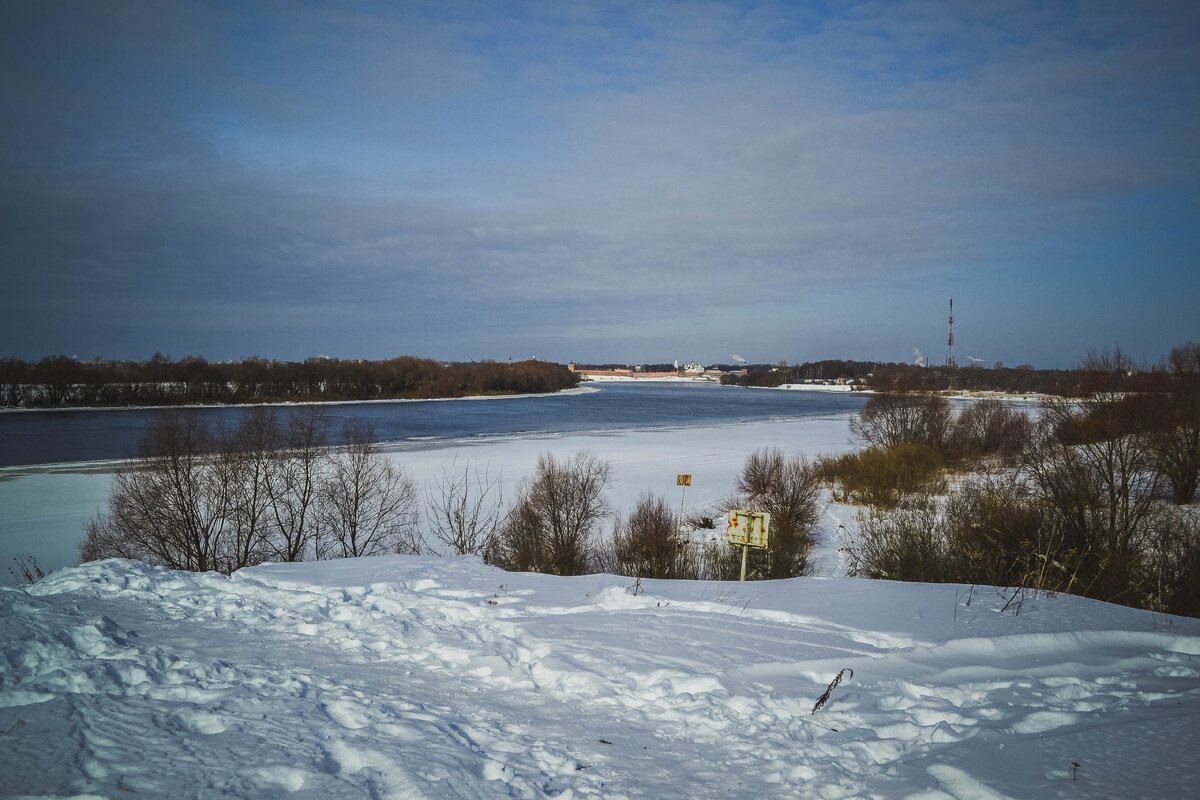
(62, 381)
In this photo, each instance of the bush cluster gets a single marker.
(555, 525)
(1002, 532)
(202, 499)
(911, 439)
(1093, 499)
(198, 499)
(884, 477)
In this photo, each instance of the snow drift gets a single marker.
(425, 677)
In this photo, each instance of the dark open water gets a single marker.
(28, 438)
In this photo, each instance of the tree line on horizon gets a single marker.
(1098, 371)
(62, 381)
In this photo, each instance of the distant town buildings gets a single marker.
(692, 370)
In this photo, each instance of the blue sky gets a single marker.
(599, 181)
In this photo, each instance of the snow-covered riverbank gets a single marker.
(428, 678)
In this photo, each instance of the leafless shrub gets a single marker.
(1174, 438)
(995, 531)
(906, 544)
(1080, 515)
(464, 510)
(27, 570)
(368, 503)
(889, 419)
(989, 427)
(789, 489)
(761, 473)
(650, 543)
(521, 543)
(1172, 562)
(554, 519)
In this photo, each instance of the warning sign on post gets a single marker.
(748, 528)
(683, 480)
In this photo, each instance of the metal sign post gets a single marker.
(748, 529)
(683, 481)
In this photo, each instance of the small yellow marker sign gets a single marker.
(683, 480)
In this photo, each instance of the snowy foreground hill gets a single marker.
(408, 677)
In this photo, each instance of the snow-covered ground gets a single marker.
(43, 510)
(424, 677)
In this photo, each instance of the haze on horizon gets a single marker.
(599, 181)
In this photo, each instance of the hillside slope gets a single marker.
(410, 677)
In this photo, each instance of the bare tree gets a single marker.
(1174, 438)
(1185, 359)
(168, 506)
(555, 517)
(294, 484)
(1098, 482)
(246, 462)
(369, 504)
(790, 490)
(464, 511)
(1114, 360)
(1173, 562)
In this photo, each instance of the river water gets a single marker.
(55, 437)
(56, 466)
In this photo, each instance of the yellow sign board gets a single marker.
(748, 528)
(683, 480)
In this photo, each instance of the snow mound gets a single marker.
(415, 677)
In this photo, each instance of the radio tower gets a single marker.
(950, 338)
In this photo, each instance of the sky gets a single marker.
(599, 181)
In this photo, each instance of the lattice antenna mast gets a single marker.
(950, 338)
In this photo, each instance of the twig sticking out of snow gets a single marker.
(829, 689)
